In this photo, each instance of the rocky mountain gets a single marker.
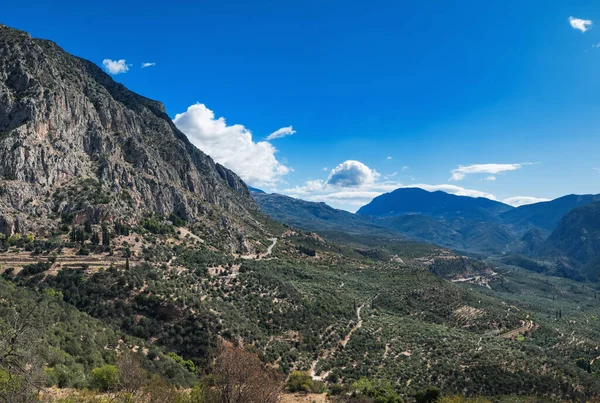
(546, 215)
(75, 145)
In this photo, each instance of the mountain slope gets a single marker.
(318, 217)
(577, 238)
(546, 215)
(65, 124)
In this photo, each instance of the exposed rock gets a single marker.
(66, 126)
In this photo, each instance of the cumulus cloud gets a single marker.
(490, 178)
(353, 184)
(464, 170)
(231, 146)
(579, 24)
(388, 158)
(148, 64)
(523, 200)
(352, 173)
(115, 66)
(283, 132)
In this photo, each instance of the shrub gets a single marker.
(428, 395)
(380, 391)
(105, 378)
(299, 382)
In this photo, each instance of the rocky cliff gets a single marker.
(74, 143)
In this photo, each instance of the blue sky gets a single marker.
(378, 95)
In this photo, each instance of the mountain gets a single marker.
(546, 215)
(319, 217)
(437, 204)
(577, 239)
(489, 236)
(75, 146)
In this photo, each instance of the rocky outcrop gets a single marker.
(66, 126)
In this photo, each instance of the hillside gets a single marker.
(577, 239)
(319, 217)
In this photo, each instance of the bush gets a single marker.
(105, 378)
(300, 382)
(380, 391)
(428, 395)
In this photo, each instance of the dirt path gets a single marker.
(355, 328)
(326, 353)
(270, 248)
(521, 330)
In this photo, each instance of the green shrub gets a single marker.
(299, 382)
(105, 378)
(380, 391)
(428, 395)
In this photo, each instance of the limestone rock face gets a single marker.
(66, 127)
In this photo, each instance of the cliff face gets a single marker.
(66, 127)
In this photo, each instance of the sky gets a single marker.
(340, 101)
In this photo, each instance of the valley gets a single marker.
(134, 268)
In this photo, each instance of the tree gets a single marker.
(95, 238)
(241, 377)
(20, 374)
(133, 375)
(299, 382)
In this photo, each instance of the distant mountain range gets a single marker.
(563, 230)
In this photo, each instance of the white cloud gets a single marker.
(490, 178)
(579, 24)
(148, 64)
(464, 170)
(404, 168)
(353, 184)
(597, 170)
(325, 169)
(231, 146)
(284, 131)
(523, 200)
(390, 175)
(115, 66)
(352, 173)
(454, 190)
(388, 158)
